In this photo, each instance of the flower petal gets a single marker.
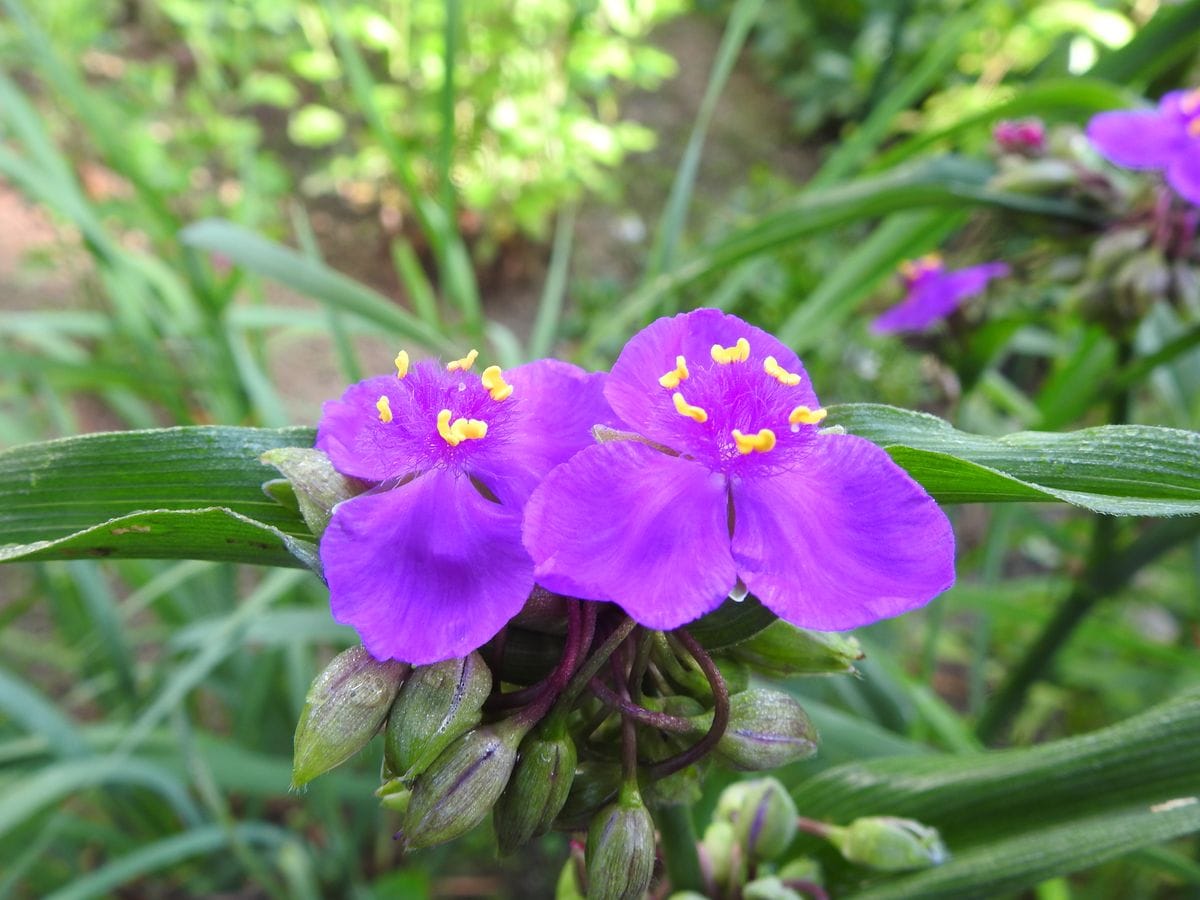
(1136, 140)
(850, 540)
(640, 400)
(1184, 175)
(426, 571)
(555, 405)
(627, 523)
(358, 443)
(935, 298)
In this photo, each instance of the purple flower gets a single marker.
(428, 564)
(730, 479)
(1024, 136)
(1167, 138)
(934, 293)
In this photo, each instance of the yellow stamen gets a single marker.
(680, 373)
(460, 430)
(762, 442)
(469, 429)
(802, 415)
(494, 383)
(401, 363)
(779, 373)
(385, 409)
(695, 413)
(1193, 128)
(739, 352)
(461, 365)
(1190, 102)
(911, 268)
(444, 429)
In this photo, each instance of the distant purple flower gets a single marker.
(934, 293)
(1167, 138)
(428, 565)
(730, 479)
(1024, 136)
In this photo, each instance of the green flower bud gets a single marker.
(767, 729)
(620, 849)
(889, 844)
(437, 704)
(687, 895)
(394, 794)
(537, 790)
(568, 886)
(770, 888)
(343, 710)
(783, 649)
(802, 868)
(766, 821)
(719, 852)
(543, 612)
(317, 485)
(596, 783)
(456, 792)
(730, 801)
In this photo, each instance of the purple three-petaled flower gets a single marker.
(428, 564)
(729, 478)
(933, 293)
(1167, 138)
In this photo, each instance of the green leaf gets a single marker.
(1134, 470)
(1014, 817)
(174, 492)
(946, 182)
(310, 277)
(1167, 39)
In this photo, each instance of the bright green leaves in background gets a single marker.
(197, 492)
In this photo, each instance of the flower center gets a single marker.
(454, 433)
(913, 270)
(725, 393)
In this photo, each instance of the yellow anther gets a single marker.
(385, 409)
(750, 443)
(444, 429)
(911, 268)
(779, 373)
(1190, 102)
(461, 365)
(739, 352)
(494, 383)
(802, 415)
(695, 413)
(680, 373)
(469, 429)
(1193, 128)
(460, 430)
(401, 361)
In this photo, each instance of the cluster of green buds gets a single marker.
(590, 729)
(750, 849)
(1135, 245)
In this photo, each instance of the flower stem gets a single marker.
(661, 721)
(679, 852)
(591, 666)
(720, 719)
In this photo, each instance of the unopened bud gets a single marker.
(1024, 136)
(771, 887)
(317, 485)
(543, 612)
(766, 821)
(536, 791)
(620, 850)
(729, 802)
(394, 794)
(889, 844)
(596, 783)
(802, 868)
(343, 709)
(767, 729)
(718, 851)
(437, 704)
(783, 649)
(456, 792)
